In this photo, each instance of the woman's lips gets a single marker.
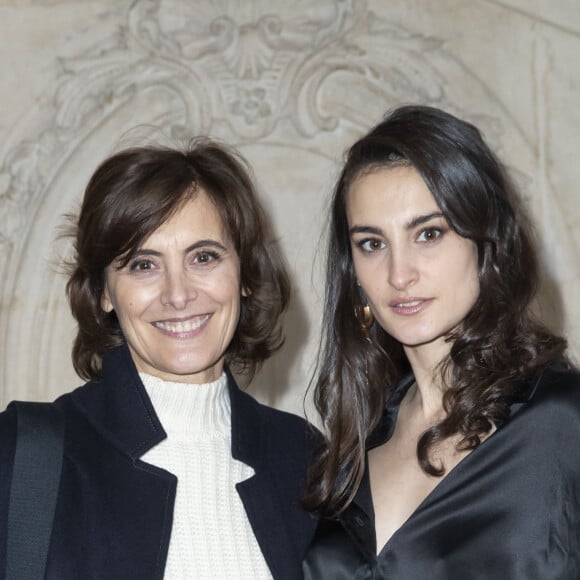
(409, 306)
(189, 327)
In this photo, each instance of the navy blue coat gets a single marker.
(114, 512)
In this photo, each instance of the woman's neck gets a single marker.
(426, 395)
(190, 411)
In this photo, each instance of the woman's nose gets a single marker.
(402, 269)
(178, 289)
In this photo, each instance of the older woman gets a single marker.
(452, 416)
(168, 469)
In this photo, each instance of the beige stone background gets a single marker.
(291, 84)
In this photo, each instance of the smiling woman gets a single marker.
(169, 470)
(452, 416)
(178, 298)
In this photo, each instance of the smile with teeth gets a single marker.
(408, 304)
(182, 325)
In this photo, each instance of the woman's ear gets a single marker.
(106, 303)
(246, 292)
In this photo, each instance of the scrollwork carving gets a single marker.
(305, 75)
(246, 69)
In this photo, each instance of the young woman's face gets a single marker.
(178, 298)
(419, 276)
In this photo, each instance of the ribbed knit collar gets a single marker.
(190, 411)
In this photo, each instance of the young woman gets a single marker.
(452, 417)
(169, 470)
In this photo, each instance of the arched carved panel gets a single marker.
(291, 84)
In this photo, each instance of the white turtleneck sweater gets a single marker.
(211, 536)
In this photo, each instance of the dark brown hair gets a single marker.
(134, 192)
(496, 345)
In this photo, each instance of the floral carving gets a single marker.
(245, 67)
(307, 73)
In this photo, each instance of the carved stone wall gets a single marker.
(291, 84)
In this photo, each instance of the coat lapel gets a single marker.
(118, 406)
(136, 499)
(266, 515)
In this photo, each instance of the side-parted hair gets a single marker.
(134, 192)
(497, 344)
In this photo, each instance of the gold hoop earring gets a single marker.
(365, 318)
(368, 318)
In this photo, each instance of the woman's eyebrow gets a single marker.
(205, 244)
(412, 223)
(421, 219)
(194, 246)
(365, 230)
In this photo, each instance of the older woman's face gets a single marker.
(420, 277)
(178, 298)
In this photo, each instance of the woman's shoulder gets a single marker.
(36, 420)
(275, 431)
(8, 424)
(251, 409)
(550, 412)
(552, 388)
(285, 419)
(9, 416)
(555, 384)
(542, 433)
(37, 412)
(284, 424)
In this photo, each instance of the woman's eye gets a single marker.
(141, 266)
(371, 245)
(429, 235)
(205, 257)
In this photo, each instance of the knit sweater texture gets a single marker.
(211, 535)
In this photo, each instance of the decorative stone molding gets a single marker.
(307, 75)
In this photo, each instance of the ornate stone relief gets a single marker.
(306, 76)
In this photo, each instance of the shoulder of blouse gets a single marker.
(552, 413)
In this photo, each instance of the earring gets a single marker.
(365, 318)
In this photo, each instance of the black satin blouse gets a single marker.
(509, 510)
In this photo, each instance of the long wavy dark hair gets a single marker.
(497, 344)
(130, 195)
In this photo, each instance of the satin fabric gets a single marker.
(509, 510)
